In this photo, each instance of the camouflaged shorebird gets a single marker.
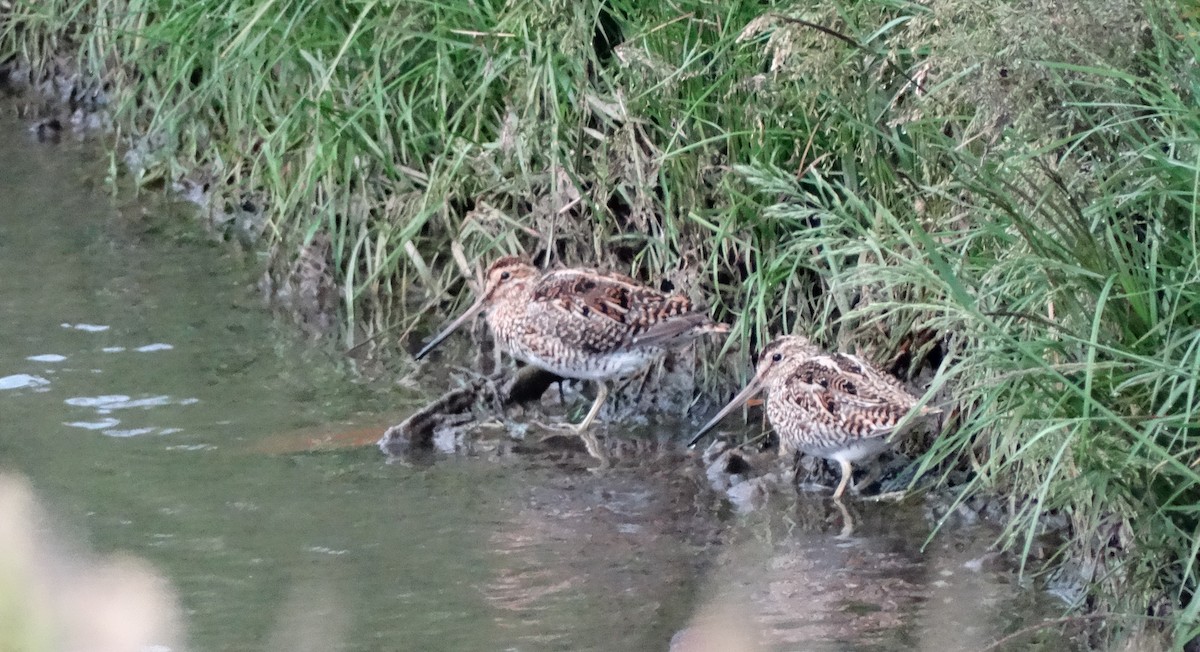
(581, 323)
(835, 406)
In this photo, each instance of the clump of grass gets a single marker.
(948, 182)
(396, 129)
(1061, 276)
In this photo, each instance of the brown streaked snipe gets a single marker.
(835, 406)
(580, 323)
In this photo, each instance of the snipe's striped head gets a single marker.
(505, 278)
(777, 360)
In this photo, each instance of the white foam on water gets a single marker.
(47, 357)
(113, 349)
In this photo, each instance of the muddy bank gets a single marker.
(772, 567)
(508, 415)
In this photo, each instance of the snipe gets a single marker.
(835, 406)
(579, 323)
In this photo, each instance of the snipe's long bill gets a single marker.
(451, 327)
(581, 323)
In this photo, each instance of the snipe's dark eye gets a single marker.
(777, 357)
(504, 276)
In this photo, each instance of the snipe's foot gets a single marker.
(870, 478)
(888, 497)
(556, 426)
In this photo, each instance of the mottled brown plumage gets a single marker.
(581, 323)
(835, 406)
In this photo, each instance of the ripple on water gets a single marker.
(121, 402)
(327, 551)
(106, 426)
(93, 425)
(129, 432)
(157, 346)
(19, 381)
(90, 328)
(105, 404)
(96, 401)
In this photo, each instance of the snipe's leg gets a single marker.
(847, 471)
(589, 440)
(601, 394)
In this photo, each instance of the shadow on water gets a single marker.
(143, 393)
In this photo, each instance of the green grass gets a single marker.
(1027, 216)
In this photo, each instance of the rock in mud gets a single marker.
(732, 471)
(445, 422)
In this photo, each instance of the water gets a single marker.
(158, 411)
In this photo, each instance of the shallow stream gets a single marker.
(158, 411)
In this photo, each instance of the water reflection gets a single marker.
(791, 581)
(312, 618)
(594, 562)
